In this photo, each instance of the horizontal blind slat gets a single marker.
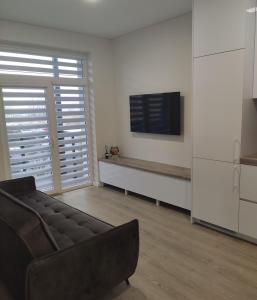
(25, 60)
(73, 168)
(60, 93)
(12, 127)
(30, 157)
(24, 119)
(29, 142)
(23, 111)
(74, 154)
(71, 134)
(33, 172)
(8, 95)
(26, 69)
(24, 103)
(70, 113)
(71, 148)
(77, 120)
(29, 150)
(74, 174)
(69, 99)
(73, 141)
(62, 106)
(71, 127)
(34, 164)
(71, 161)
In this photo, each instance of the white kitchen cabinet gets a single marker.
(248, 201)
(168, 189)
(216, 193)
(217, 108)
(219, 25)
(248, 219)
(248, 183)
(223, 58)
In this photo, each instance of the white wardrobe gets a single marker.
(223, 53)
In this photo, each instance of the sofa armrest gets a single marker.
(19, 185)
(87, 269)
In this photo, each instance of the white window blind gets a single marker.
(39, 65)
(72, 135)
(28, 135)
(47, 137)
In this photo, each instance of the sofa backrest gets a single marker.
(27, 224)
(19, 185)
(23, 237)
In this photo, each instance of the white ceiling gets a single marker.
(103, 18)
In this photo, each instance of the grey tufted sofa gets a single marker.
(51, 251)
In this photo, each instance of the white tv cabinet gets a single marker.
(164, 183)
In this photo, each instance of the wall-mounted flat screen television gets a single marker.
(155, 113)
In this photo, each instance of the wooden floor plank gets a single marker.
(177, 260)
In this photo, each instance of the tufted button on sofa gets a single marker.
(50, 250)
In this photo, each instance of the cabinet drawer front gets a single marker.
(248, 183)
(248, 219)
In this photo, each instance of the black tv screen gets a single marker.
(155, 113)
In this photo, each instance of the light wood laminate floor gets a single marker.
(177, 260)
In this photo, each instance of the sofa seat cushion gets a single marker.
(67, 224)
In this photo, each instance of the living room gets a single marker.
(128, 146)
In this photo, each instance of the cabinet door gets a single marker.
(216, 193)
(248, 183)
(217, 107)
(219, 25)
(248, 219)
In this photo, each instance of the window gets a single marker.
(45, 119)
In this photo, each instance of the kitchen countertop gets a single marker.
(149, 166)
(249, 160)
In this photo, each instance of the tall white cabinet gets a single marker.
(219, 25)
(221, 48)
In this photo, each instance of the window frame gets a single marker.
(48, 83)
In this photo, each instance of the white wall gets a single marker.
(101, 56)
(151, 60)
(155, 59)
